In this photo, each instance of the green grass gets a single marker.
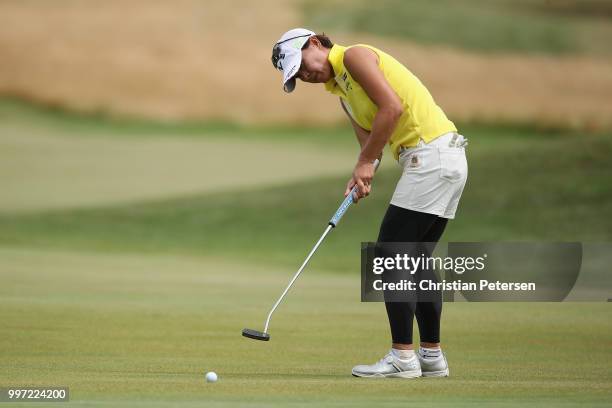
(575, 26)
(20, 113)
(523, 185)
(137, 330)
(129, 305)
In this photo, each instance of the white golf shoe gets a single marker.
(434, 367)
(390, 366)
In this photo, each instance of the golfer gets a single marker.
(387, 104)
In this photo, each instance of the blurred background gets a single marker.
(149, 158)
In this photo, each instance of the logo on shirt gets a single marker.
(347, 84)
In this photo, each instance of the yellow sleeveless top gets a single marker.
(422, 118)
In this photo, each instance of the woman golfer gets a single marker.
(386, 103)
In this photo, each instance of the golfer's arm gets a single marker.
(362, 64)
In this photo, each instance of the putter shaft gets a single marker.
(280, 299)
(348, 201)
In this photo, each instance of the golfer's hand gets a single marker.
(362, 178)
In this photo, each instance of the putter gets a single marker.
(333, 222)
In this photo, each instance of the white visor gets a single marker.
(287, 55)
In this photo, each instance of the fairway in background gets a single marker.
(51, 161)
(524, 184)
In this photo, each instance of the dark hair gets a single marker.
(323, 39)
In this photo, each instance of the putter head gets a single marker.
(254, 334)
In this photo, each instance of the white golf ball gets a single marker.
(211, 376)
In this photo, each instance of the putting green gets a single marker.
(46, 169)
(134, 330)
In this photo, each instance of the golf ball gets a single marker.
(211, 376)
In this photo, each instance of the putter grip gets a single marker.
(347, 202)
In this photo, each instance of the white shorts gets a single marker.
(434, 176)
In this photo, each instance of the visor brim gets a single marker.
(289, 86)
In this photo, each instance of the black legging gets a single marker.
(401, 225)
